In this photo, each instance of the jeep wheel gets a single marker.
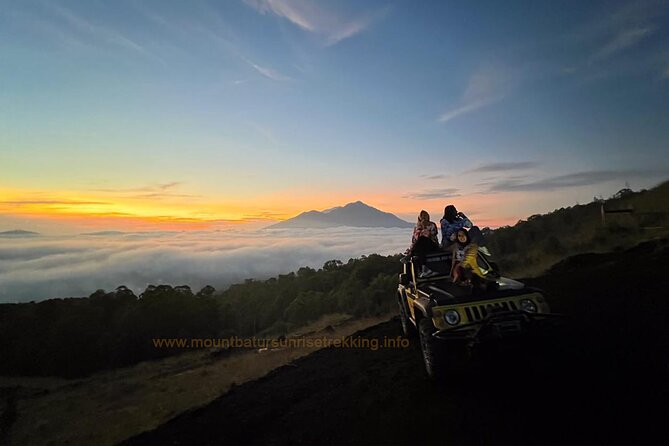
(432, 357)
(407, 327)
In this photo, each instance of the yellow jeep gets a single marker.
(451, 319)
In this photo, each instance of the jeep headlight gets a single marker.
(452, 317)
(528, 305)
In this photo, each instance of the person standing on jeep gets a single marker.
(423, 241)
(451, 222)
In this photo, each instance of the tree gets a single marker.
(207, 291)
(332, 265)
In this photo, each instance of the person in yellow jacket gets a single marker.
(464, 258)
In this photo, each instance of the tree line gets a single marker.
(74, 337)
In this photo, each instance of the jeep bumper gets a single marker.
(500, 325)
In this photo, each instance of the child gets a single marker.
(464, 258)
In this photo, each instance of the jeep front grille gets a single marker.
(477, 312)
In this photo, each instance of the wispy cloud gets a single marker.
(266, 132)
(161, 195)
(623, 40)
(301, 14)
(433, 193)
(609, 39)
(269, 73)
(503, 167)
(484, 88)
(170, 185)
(52, 202)
(147, 188)
(613, 22)
(347, 30)
(586, 178)
(265, 215)
(212, 27)
(315, 18)
(487, 182)
(468, 108)
(434, 177)
(101, 34)
(155, 191)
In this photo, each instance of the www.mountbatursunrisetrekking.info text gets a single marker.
(261, 343)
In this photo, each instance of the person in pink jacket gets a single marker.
(423, 241)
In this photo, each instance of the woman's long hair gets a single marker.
(450, 213)
(423, 218)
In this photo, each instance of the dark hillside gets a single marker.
(602, 379)
(531, 246)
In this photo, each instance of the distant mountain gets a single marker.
(103, 233)
(356, 214)
(18, 233)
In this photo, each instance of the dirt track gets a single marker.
(604, 379)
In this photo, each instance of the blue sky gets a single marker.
(253, 110)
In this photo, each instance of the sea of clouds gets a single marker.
(43, 267)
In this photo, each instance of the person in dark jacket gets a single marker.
(451, 222)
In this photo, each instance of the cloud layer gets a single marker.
(48, 267)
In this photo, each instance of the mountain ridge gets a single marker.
(18, 233)
(355, 214)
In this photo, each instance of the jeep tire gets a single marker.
(435, 364)
(407, 327)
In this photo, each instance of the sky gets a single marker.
(206, 115)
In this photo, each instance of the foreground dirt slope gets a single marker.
(602, 379)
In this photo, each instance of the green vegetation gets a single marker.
(77, 336)
(360, 287)
(531, 246)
